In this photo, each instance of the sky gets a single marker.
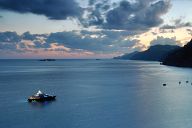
(90, 28)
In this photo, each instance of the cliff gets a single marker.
(181, 57)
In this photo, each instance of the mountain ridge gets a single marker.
(154, 53)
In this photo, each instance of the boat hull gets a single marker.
(41, 99)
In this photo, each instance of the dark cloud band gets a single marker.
(123, 15)
(53, 9)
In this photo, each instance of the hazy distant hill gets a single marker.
(181, 57)
(154, 53)
(126, 56)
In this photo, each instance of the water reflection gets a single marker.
(41, 104)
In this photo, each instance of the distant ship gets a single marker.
(47, 60)
(41, 97)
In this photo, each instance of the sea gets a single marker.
(103, 93)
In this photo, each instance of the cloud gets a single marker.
(189, 31)
(28, 36)
(92, 2)
(57, 47)
(99, 41)
(9, 37)
(142, 15)
(177, 23)
(165, 41)
(53, 9)
(8, 41)
(138, 15)
(95, 13)
(89, 43)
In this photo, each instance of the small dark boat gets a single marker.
(47, 60)
(41, 97)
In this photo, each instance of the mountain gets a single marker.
(126, 56)
(154, 53)
(181, 57)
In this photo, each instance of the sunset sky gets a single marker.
(90, 28)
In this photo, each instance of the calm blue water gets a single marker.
(95, 94)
